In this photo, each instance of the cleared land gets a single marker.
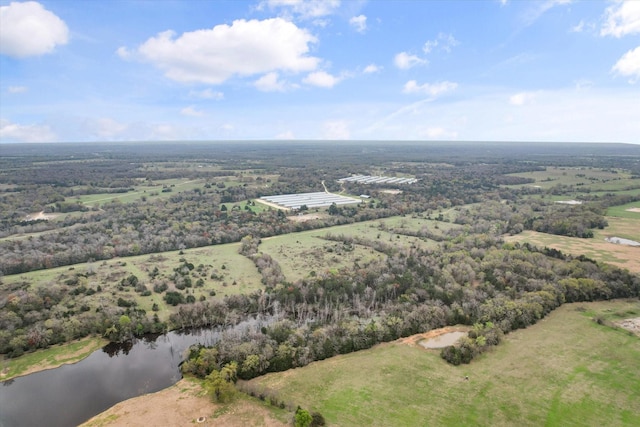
(185, 403)
(597, 247)
(221, 268)
(593, 179)
(301, 253)
(561, 371)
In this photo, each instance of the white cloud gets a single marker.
(244, 48)
(191, 111)
(561, 115)
(207, 94)
(359, 23)
(105, 128)
(270, 83)
(371, 68)
(286, 135)
(304, 9)
(28, 29)
(404, 61)
(434, 89)
(539, 8)
(445, 41)
(578, 28)
(17, 89)
(439, 133)
(583, 84)
(622, 19)
(14, 132)
(521, 98)
(629, 65)
(321, 79)
(336, 129)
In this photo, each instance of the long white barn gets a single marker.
(311, 200)
(370, 179)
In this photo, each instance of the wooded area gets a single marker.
(112, 203)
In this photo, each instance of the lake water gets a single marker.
(71, 394)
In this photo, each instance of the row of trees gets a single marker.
(477, 280)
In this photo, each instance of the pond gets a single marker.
(71, 394)
(622, 241)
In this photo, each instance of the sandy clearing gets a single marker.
(632, 325)
(413, 340)
(40, 215)
(633, 210)
(183, 404)
(304, 218)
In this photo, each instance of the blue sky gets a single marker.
(119, 70)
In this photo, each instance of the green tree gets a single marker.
(220, 384)
(303, 418)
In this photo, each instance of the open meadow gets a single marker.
(597, 247)
(217, 271)
(562, 371)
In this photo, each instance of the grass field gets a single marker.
(301, 253)
(563, 371)
(596, 248)
(51, 357)
(592, 178)
(234, 274)
(153, 190)
(630, 210)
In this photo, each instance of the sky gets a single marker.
(485, 70)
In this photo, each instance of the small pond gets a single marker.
(622, 241)
(444, 340)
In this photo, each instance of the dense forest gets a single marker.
(471, 276)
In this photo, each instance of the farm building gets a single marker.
(310, 200)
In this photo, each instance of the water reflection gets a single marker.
(71, 394)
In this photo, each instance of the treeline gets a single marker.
(475, 281)
(473, 278)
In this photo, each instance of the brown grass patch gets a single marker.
(306, 217)
(597, 248)
(184, 404)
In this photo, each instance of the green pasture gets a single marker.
(300, 254)
(567, 370)
(148, 190)
(583, 179)
(253, 205)
(50, 357)
(232, 274)
(623, 211)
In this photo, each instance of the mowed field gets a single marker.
(596, 248)
(567, 370)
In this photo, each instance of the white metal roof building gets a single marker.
(311, 200)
